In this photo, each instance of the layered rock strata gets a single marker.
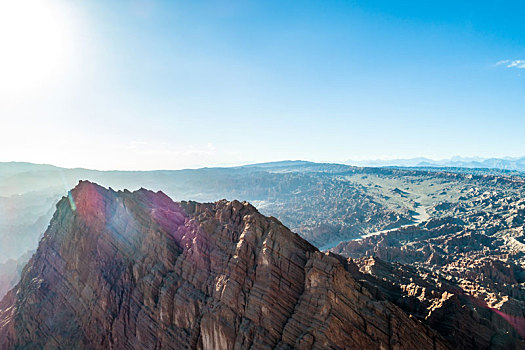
(135, 270)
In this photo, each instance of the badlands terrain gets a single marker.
(440, 250)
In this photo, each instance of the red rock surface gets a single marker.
(122, 270)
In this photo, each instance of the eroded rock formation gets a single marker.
(135, 270)
(462, 271)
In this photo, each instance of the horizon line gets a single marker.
(349, 162)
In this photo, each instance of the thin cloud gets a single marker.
(512, 63)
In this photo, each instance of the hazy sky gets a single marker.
(174, 84)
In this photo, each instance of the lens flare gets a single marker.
(71, 201)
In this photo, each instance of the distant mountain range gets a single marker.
(292, 191)
(507, 163)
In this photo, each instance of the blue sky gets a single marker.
(174, 84)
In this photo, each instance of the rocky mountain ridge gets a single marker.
(135, 270)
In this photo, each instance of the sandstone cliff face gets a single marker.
(122, 270)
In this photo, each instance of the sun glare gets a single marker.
(34, 39)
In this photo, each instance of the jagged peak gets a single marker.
(86, 184)
(128, 266)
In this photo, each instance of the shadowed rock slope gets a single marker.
(135, 270)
